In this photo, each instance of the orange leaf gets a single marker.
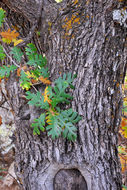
(9, 35)
(45, 80)
(18, 72)
(124, 122)
(123, 161)
(0, 120)
(34, 81)
(21, 68)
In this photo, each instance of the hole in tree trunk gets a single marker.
(69, 179)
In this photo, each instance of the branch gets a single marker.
(10, 58)
(32, 30)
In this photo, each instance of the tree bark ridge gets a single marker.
(77, 37)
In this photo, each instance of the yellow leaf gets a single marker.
(125, 99)
(48, 120)
(46, 96)
(6, 40)
(16, 42)
(30, 75)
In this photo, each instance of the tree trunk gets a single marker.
(81, 37)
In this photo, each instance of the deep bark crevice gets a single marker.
(69, 179)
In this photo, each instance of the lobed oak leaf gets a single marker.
(8, 36)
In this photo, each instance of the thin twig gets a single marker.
(14, 178)
(10, 58)
(34, 88)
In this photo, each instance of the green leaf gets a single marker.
(2, 54)
(71, 115)
(54, 129)
(17, 53)
(44, 61)
(2, 16)
(25, 81)
(6, 70)
(35, 60)
(124, 186)
(43, 72)
(69, 78)
(37, 100)
(31, 50)
(61, 85)
(69, 130)
(62, 123)
(38, 124)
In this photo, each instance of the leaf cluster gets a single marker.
(58, 122)
(54, 120)
(6, 70)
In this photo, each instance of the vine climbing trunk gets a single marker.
(81, 37)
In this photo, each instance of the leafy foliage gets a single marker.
(59, 122)
(6, 70)
(60, 95)
(54, 120)
(123, 133)
(31, 50)
(9, 36)
(34, 58)
(123, 157)
(123, 128)
(2, 54)
(38, 124)
(25, 81)
(37, 100)
(62, 123)
(17, 53)
(2, 16)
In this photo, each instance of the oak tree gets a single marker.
(87, 38)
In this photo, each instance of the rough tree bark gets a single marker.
(81, 37)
